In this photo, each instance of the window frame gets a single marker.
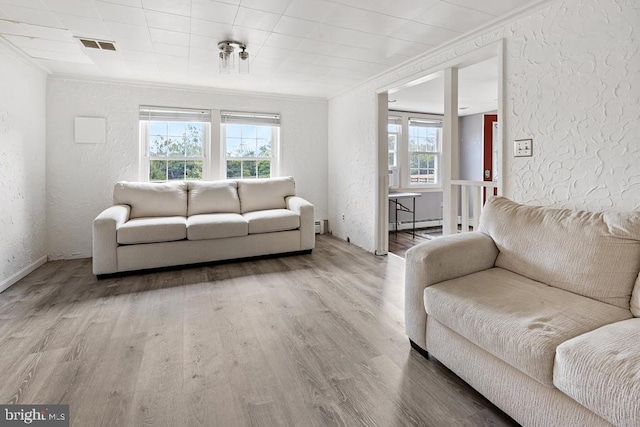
(172, 115)
(436, 123)
(404, 170)
(250, 119)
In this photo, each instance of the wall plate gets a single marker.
(523, 148)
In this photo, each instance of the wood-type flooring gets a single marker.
(308, 340)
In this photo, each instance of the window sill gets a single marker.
(416, 189)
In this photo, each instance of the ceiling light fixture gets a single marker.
(226, 61)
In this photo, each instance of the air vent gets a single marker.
(98, 44)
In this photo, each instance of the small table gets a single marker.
(393, 198)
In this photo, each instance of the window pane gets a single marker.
(175, 169)
(194, 139)
(193, 169)
(158, 170)
(158, 146)
(264, 169)
(234, 168)
(248, 147)
(392, 142)
(176, 128)
(234, 147)
(263, 132)
(233, 131)
(249, 131)
(264, 148)
(158, 128)
(249, 169)
(422, 168)
(175, 147)
(392, 159)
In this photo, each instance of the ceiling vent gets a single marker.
(98, 44)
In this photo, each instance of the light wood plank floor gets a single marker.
(310, 340)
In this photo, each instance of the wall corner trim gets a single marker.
(13, 279)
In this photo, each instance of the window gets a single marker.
(424, 146)
(175, 142)
(250, 143)
(394, 128)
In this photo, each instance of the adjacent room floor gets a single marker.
(400, 242)
(310, 340)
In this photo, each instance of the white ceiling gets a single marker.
(303, 47)
(477, 92)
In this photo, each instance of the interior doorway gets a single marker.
(451, 104)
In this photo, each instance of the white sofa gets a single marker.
(155, 225)
(538, 311)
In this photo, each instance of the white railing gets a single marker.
(471, 205)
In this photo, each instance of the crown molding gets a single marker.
(492, 25)
(186, 87)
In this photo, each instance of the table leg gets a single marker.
(414, 217)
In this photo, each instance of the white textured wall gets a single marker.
(572, 84)
(81, 176)
(22, 164)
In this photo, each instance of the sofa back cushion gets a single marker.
(594, 254)
(261, 194)
(150, 199)
(208, 197)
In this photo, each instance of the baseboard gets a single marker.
(424, 223)
(14, 278)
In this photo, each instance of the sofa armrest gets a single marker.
(435, 261)
(307, 220)
(105, 241)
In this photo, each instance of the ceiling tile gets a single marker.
(168, 21)
(202, 56)
(210, 29)
(213, 11)
(134, 55)
(294, 26)
(251, 37)
(169, 37)
(344, 36)
(118, 29)
(171, 49)
(315, 46)
(256, 19)
(21, 29)
(177, 7)
(119, 13)
(423, 33)
(311, 10)
(492, 7)
(73, 7)
(84, 27)
(132, 3)
(66, 57)
(31, 16)
(283, 41)
(31, 4)
(135, 44)
(273, 6)
(454, 17)
(363, 20)
(202, 42)
(72, 47)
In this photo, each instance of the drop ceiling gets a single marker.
(301, 47)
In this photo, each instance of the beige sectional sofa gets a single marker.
(155, 225)
(537, 310)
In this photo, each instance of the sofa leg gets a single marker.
(424, 353)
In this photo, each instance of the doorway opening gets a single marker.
(439, 136)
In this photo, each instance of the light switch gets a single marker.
(523, 148)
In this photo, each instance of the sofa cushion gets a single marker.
(516, 319)
(592, 254)
(149, 199)
(601, 371)
(216, 226)
(152, 230)
(213, 197)
(272, 220)
(261, 194)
